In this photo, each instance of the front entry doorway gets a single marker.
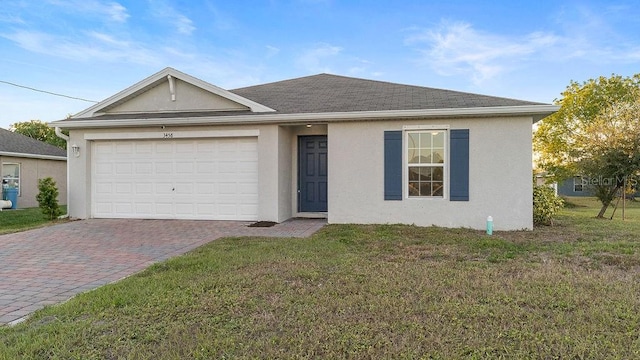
(312, 173)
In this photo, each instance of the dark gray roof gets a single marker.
(332, 93)
(18, 143)
(325, 93)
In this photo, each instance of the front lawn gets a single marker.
(351, 291)
(23, 219)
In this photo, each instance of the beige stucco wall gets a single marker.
(33, 169)
(500, 173)
(500, 182)
(188, 98)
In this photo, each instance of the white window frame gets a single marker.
(19, 179)
(578, 183)
(406, 130)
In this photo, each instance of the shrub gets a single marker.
(545, 205)
(48, 198)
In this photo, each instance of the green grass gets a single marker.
(23, 219)
(374, 291)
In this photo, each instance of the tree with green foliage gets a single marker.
(39, 130)
(595, 134)
(48, 198)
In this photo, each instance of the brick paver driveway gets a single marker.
(50, 265)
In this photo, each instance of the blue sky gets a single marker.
(92, 49)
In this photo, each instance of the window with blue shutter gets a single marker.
(393, 165)
(459, 167)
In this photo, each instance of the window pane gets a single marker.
(425, 156)
(437, 188)
(438, 139)
(10, 170)
(425, 189)
(413, 189)
(437, 156)
(414, 140)
(438, 174)
(413, 156)
(425, 140)
(414, 173)
(425, 174)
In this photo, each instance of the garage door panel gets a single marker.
(185, 209)
(143, 168)
(104, 169)
(164, 147)
(163, 167)
(180, 178)
(123, 208)
(205, 188)
(143, 208)
(164, 189)
(184, 189)
(103, 188)
(248, 189)
(185, 168)
(205, 168)
(124, 189)
(144, 188)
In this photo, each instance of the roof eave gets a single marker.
(33, 156)
(537, 112)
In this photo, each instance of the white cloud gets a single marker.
(166, 12)
(272, 51)
(116, 12)
(111, 9)
(94, 47)
(317, 59)
(457, 48)
(11, 19)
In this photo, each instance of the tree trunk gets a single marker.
(605, 205)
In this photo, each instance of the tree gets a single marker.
(39, 130)
(595, 134)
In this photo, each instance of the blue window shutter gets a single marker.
(459, 169)
(393, 165)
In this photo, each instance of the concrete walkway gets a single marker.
(50, 265)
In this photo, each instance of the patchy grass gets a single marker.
(24, 219)
(352, 291)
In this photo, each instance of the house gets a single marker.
(575, 186)
(25, 160)
(586, 186)
(356, 151)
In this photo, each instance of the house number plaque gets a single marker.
(167, 136)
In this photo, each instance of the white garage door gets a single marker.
(209, 179)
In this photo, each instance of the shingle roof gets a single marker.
(326, 94)
(332, 93)
(17, 143)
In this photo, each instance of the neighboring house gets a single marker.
(584, 186)
(353, 150)
(575, 186)
(25, 160)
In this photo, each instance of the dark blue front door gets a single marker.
(312, 177)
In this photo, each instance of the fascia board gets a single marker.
(32, 156)
(537, 112)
